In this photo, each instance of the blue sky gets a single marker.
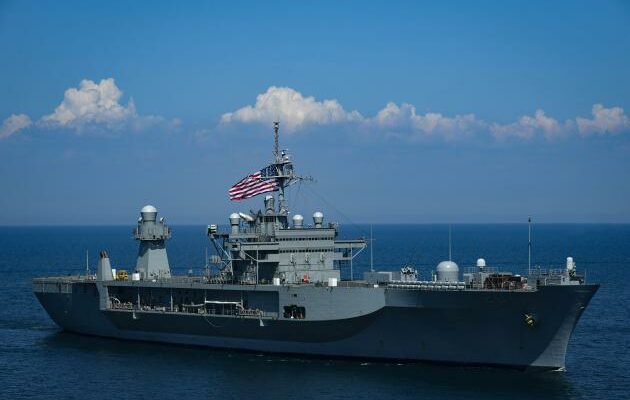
(403, 111)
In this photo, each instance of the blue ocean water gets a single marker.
(37, 360)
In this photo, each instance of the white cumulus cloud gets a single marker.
(91, 104)
(13, 124)
(405, 118)
(92, 107)
(294, 110)
(528, 127)
(605, 120)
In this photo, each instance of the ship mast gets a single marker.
(276, 152)
(280, 174)
(284, 171)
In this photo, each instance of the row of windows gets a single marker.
(305, 238)
(306, 251)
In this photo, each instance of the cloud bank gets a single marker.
(91, 107)
(297, 112)
(97, 107)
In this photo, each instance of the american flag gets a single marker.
(258, 182)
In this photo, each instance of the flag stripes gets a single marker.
(256, 183)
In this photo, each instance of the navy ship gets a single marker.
(275, 286)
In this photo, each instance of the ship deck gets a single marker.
(201, 282)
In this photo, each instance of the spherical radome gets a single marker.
(447, 266)
(148, 209)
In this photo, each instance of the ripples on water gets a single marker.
(37, 360)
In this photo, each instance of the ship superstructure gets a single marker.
(269, 246)
(277, 287)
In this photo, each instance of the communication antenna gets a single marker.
(529, 244)
(87, 262)
(371, 250)
(449, 243)
(276, 148)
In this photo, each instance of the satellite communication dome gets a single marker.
(148, 208)
(481, 263)
(298, 220)
(234, 218)
(148, 213)
(318, 219)
(447, 271)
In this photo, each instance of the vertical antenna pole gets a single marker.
(87, 262)
(449, 243)
(282, 209)
(529, 244)
(371, 250)
(276, 148)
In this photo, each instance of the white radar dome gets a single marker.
(235, 220)
(298, 221)
(148, 213)
(447, 271)
(481, 262)
(318, 219)
(148, 209)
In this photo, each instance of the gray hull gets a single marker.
(466, 327)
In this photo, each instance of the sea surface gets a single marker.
(37, 360)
